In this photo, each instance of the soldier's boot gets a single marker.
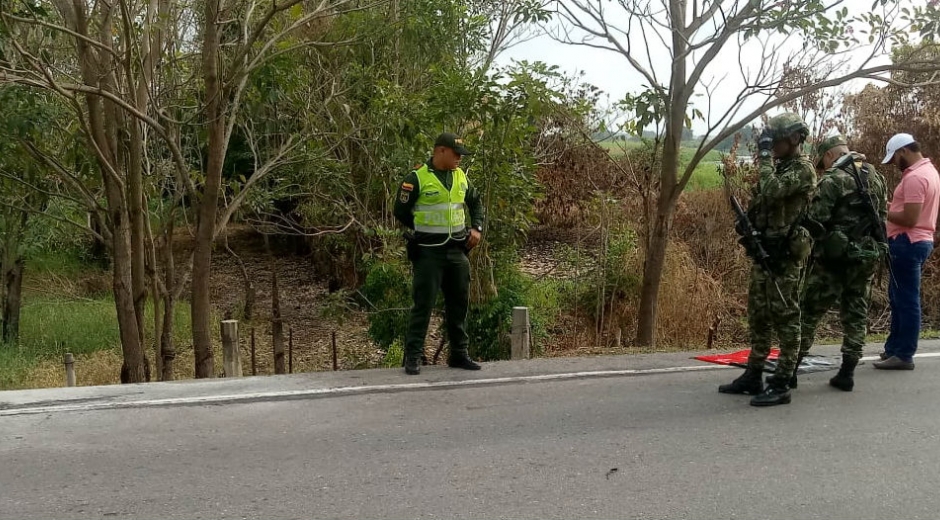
(793, 381)
(845, 379)
(412, 365)
(748, 383)
(777, 392)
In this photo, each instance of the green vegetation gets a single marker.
(705, 176)
(61, 315)
(53, 326)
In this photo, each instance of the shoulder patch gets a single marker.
(407, 186)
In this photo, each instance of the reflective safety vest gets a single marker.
(438, 211)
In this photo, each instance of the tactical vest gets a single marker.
(858, 203)
(861, 236)
(440, 214)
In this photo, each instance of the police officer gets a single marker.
(847, 221)
(435, 203)
(779, 201)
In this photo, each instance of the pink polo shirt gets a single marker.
(919, 184)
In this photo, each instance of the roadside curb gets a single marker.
(340, 391)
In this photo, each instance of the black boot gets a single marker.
(412, 366)
(462, 360)
(747, 383)
(844, 380)
(793, 381)
(777, 392)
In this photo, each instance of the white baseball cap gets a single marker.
(896, 143)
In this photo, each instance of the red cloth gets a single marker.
(735, 358)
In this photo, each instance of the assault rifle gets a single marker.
(847, 164)
(750, 235)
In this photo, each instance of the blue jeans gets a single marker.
(907, 262)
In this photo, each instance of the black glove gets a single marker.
(749, 247)
(765, 143)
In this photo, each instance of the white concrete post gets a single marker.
(69, 369)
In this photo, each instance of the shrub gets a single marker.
(387, 295)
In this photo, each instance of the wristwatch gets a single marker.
(478, 228)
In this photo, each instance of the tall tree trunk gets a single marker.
(11, 267)
(104, 123)
(669, 191)
(208, 207)
(133, 369)
(156, 294)
(135, 197)
(658, 240)
(653, 264)
(12, 297)
(167, 349)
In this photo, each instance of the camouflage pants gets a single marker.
(850, 286)
(769, 314)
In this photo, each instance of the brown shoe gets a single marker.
(893, 363)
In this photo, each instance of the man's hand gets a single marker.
(474, 238)
(765, 143)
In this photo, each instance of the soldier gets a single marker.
(847, 221)
(778, 203)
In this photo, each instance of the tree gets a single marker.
(678, 47)
(103, 62)
(909, 103)
(132, 73)
(27, 121)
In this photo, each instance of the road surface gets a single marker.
(658, 446)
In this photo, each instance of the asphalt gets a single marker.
(643, 437)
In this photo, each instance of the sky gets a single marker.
(612, 73)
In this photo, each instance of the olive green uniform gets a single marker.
(440, 264)
(847, 252)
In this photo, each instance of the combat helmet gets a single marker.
(783, 125)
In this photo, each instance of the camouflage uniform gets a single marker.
(779, 203)
(846, 253)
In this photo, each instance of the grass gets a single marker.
(58, 263)
(50, 327)
(58, 316)
(87, 328)
(705, 176)
(881, 337)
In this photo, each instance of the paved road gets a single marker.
(537, 450)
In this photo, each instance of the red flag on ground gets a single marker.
(810, 363)
(738, 358)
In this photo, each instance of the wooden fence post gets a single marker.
(231, 360)
(254, 365)
(520, 333)
(69, 369)
(335, 364)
